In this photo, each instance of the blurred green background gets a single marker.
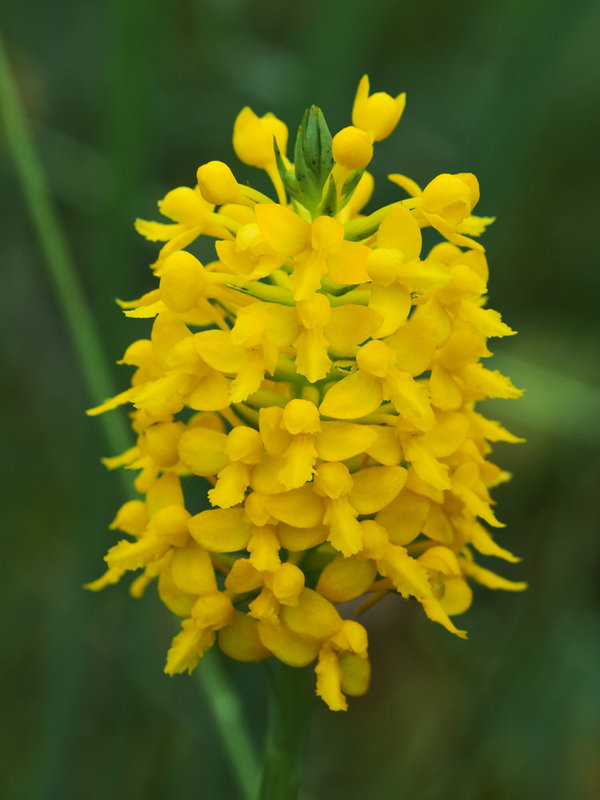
(126, 99)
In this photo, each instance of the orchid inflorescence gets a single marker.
(319, 378)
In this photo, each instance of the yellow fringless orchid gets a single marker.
(322, 375)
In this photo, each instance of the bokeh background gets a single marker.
(126, 99)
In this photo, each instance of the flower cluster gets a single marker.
(319, 378)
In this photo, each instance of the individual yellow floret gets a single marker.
(379, 113)
(217, 183)
(253, 138)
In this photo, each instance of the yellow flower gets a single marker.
(253, 137)
(379, 113)
(321, 375)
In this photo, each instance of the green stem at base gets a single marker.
(228, 714)
(291, 705)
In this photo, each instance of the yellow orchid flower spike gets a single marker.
(316, 380)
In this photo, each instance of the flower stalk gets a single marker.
(290, 708)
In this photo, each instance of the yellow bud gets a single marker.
(379, 113)
(217, 183)
(301, 416)
(376, 358)
(333, 480)
(253, 138)
(352, 148)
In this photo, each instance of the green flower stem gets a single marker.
(364, 227)
(356, 296)
(292, 701)
(87, 344)
(227, 712)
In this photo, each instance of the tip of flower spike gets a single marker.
(313, 161)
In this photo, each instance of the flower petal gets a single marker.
(221, 530)
(376, 487)
(352, 397)
(283, 230)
